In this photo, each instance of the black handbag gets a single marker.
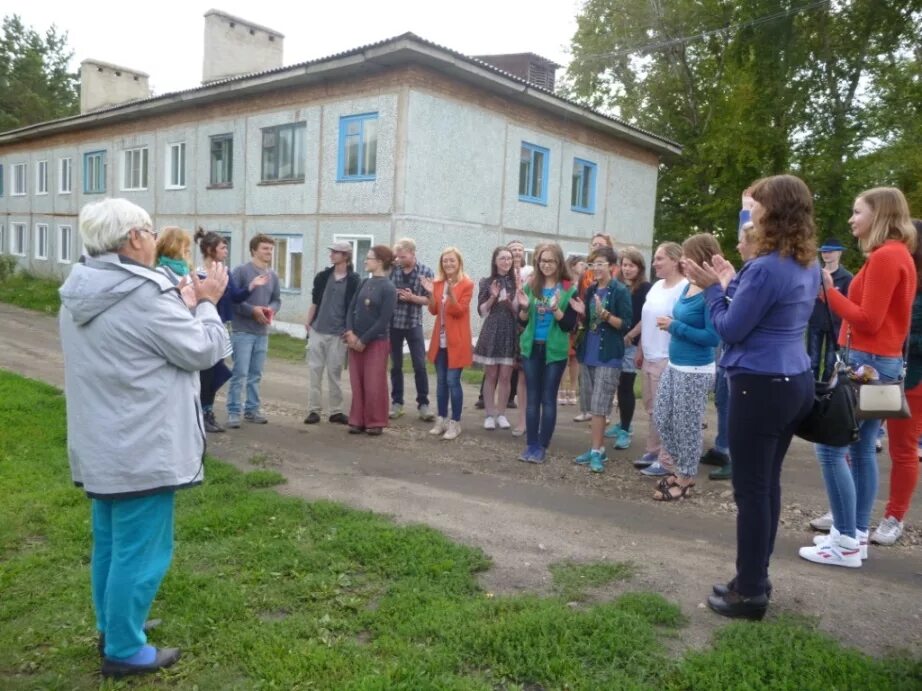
(833, 419)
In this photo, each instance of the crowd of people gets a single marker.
(138, 316)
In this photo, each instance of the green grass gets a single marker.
(275, 592)
(285, 347)
(571, 579)
(25, 290)
(469, 375)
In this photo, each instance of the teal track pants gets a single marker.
(132, 550)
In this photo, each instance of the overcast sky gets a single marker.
(164, 37)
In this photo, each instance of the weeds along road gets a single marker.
(526, 517)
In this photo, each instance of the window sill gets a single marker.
(533, 200)
(94, 191)
(65, 191)
(134, 189)
(220, 186)
(174, 188)
(589, 212)
(357, 178)
(288, 181)
(65, 261)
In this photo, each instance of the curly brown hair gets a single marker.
(784, 224)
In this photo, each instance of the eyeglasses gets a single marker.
(599, 265)
(153, 233)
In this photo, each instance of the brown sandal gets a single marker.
(667, 495)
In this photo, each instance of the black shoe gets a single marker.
(339, 419)
(479, 404)
(511, 404)
(166, 657)
(724, 472)
(211, 425)
(721, 589)
(149, 626)
(715, 457)
(736, 606)
(355, 429)
(312, 419)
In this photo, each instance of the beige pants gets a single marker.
(326, 352)
(651, 372)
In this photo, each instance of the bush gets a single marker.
(7, 267)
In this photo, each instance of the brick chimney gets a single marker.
(235, 46)
(103, 84)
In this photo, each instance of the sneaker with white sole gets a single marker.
(860, 535)
(396, 411)
(582, 417)
(839, 551)
(823, 523)
(623, 440)
(502, 422)
(441, 425)
(489, 422)
(425, 414)
(453, 431)
(889, 531)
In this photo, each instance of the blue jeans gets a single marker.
(722, 403)
(852, 489)
(132, 550)
(542, 380)
(816, 339)
(416, 342)
(249, 359)
(448, 385)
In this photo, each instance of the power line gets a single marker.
(652, 47)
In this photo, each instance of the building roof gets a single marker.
(405, 49)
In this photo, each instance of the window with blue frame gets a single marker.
(94, 172)
(358, 147)
(582, 195)
(533, 167)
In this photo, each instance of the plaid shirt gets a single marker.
(408, 315)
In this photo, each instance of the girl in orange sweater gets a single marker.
(450, 343)
(876, 315)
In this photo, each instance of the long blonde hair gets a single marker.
(890, 219)
(440, 272)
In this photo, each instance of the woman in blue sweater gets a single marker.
(689, 376)
(761, 314)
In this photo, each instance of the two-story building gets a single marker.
(398, 138)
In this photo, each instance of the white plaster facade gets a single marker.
(447, 173)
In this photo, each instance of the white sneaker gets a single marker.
(441, 424)
(823, 523)
(453, 430)
(489, 422)
(582, 417)
(861, 536)
(842, 551)
(889, 531)
(502, 422)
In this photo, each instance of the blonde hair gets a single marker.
(890, 219)
(175, 243)
(673, 250)
(405, 244)
(440, 272)
(701, 248)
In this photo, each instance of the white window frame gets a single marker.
(357, 241)
(65, 175)
(130, 167)
(62, 259)
(19, 180)
(41, 177)
(41, 241)
(18, 231)
(171, 182)
(2, 239)
(287, 270)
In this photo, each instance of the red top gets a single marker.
(457, 323)
(879, 303)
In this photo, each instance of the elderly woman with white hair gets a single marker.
(133, 346)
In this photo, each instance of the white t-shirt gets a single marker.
(659, 303)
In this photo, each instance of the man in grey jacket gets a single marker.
(133, 347)
(250, 327)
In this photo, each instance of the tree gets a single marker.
(753, 88)
(35, 83)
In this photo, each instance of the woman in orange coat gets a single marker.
(450, 343)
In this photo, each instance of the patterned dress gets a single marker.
(498, 340)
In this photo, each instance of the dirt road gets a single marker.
(526, 517)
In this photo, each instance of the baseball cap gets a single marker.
(341, 246)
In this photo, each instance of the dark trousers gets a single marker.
(542, 381)
(627, 402)
(417, 345)
(211, 380)
(764, 412)
(817, 339)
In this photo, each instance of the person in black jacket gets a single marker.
(821, 334)
(333, 290)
